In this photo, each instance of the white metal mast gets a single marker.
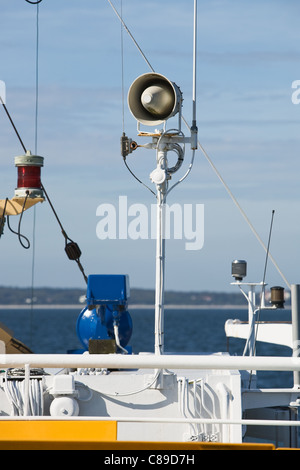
(153, 99)
(162, 189)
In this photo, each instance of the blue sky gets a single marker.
(248, 57)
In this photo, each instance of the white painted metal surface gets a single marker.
(268, 332)
(150, 361)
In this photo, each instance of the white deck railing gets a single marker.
(151, 361)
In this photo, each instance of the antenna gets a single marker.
(267, 253)
(194, 130)
(195, 64)
(152, 100)
(262, 303)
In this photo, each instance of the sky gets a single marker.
(248, 56)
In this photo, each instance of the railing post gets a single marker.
(295, 292)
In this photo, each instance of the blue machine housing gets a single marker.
(107, 288)
(107, 297)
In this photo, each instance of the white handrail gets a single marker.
(150, 361)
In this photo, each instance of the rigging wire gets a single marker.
(201, 148)
(36, 147)
(12, 123)
(123, 98)
(211, 164)
(71, 248)
(127, 29)
(243, 214)
(37, 76)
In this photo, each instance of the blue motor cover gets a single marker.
(107, 297)
(107, 289)
(91, 326)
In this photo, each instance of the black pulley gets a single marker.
(73, 251)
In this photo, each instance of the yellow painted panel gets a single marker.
(14, 206)
(56, 434)
(81, 435)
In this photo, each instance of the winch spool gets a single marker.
(29, 175)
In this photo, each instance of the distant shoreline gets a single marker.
(133, 307)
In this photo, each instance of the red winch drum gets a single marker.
(29, 175)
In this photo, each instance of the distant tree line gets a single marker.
(55, 296)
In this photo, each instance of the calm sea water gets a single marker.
(54, 331)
